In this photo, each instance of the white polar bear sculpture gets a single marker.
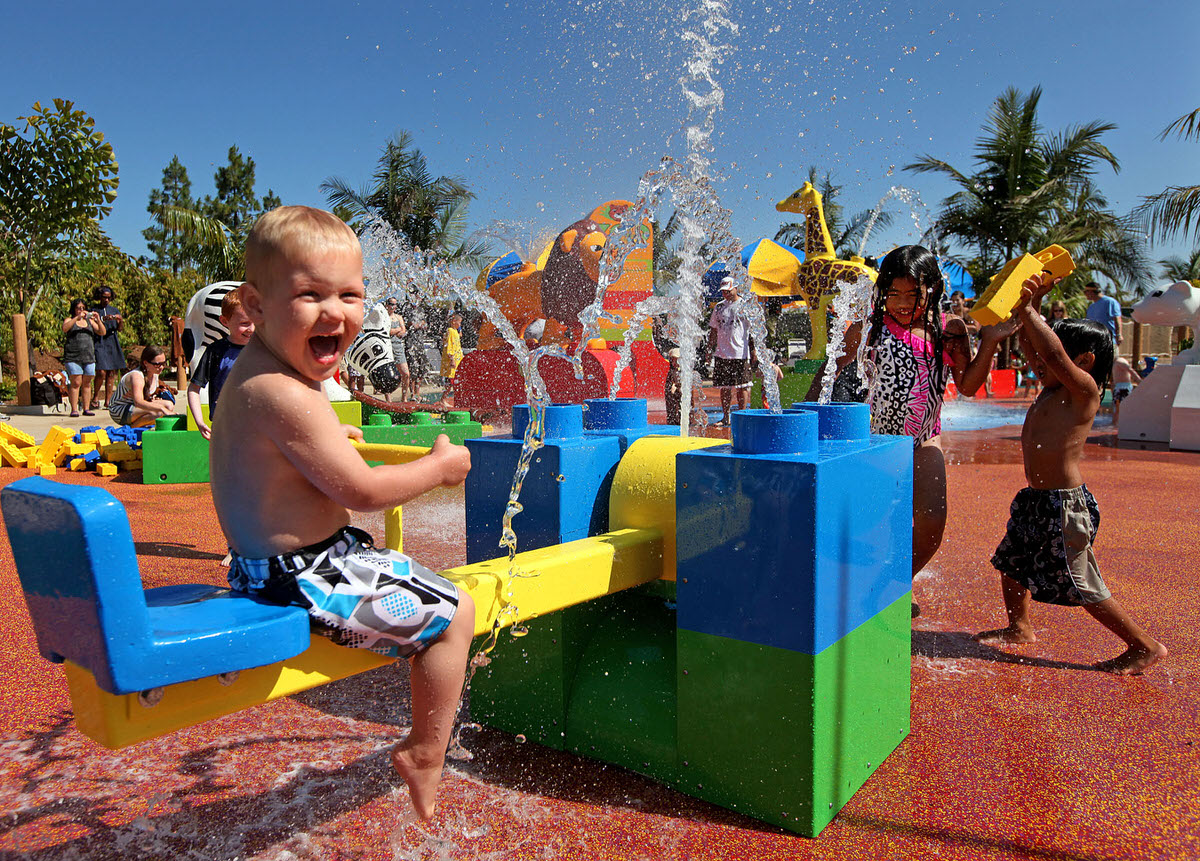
(1175, 304)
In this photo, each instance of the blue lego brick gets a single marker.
(564, 496)
(792, 550)
(623, 418)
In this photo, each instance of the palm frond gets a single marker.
(1173, 211)
(1186, 126)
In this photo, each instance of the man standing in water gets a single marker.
(729, 339)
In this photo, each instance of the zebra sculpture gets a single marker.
(369, 355)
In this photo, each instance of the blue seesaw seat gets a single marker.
(75, 558)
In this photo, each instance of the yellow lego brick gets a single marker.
(102, 438)
(63, 454)
(10, 455)
(90, 436)
(54, 440)
(15, 435)
(130, 465)
(79, 465)
(47, 469)
(108, 470)
(78, 448)
(116, 452)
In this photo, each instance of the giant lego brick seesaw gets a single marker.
(729, 619)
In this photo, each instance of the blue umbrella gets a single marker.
(501, 268)
(956, 277)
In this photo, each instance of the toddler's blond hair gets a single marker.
(291, 233)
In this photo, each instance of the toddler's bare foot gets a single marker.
(422, 774)
(1010, 636)
(1134, 661)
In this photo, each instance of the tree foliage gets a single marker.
(1033, 188)
(213, 231)
(58, 177)
(170, 247)
(430, 212)
(1176, 209)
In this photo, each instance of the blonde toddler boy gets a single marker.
(284, 474)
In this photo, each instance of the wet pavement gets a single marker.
(1022, 752)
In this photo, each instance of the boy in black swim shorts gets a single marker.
(1046, 554)
(285, 478)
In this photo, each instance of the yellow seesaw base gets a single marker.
(545, 580)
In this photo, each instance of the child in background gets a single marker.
(136, 402)
(914, 357)
(284, 474)
(1026, 378)
(452, 354)
(1124, 379)
(1046, 554)
(217, 361)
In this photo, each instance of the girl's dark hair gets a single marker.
(1088, 336)
(919, 264)
(150, 352)
(75, 303)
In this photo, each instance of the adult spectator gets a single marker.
(729, 336)
(414, 341)
(81, 328)
(1103, 309)
(398, 330)
(1058, 311)
(110, 359)
(668, 348)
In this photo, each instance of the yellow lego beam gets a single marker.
(542, 581)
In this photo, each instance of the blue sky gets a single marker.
(549, 108)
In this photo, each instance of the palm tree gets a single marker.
(211, 244)
(1034, 188)
(430, 212)
(1175, 209)
(846, 237)
(1182, 269)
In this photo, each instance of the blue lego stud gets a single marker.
(614, 414)
(765, 432)
(562, 421)
(841, 421)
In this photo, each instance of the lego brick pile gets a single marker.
(106, 451)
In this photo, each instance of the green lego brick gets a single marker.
(421, 434)
(786, 737)
(621, 706)
(348, 412)
(523, 689)
(174, 456)
(597, 679)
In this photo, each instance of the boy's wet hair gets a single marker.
(294, 232)
(919, 264)
(231, 302)
(1088, 336)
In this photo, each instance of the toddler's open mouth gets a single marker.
(324, 348)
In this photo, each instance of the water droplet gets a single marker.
(520, 739)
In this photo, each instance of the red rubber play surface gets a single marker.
(1016, 753)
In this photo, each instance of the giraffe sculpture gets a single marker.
(821, 271)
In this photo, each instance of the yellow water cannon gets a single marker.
(997, 302)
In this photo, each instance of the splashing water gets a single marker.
(897, 192)
(852, 303)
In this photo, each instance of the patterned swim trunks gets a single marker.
(355, 594)
(1048, 546)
